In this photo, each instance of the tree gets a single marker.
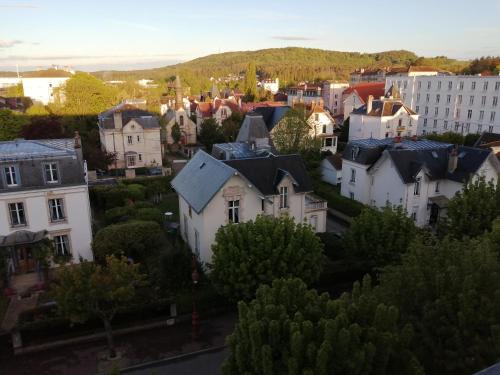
(176, 133)
(138, 240)
(11, 124)
(448, 291)
(231, 127)
(249, 254)
(380, 237)
(209, 134)
(14, 91)
(291, 134)
(89, 290)
(251, 82)
(43, 128)
(288, 329)
(472, 211)
(37, 110)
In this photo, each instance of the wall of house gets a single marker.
(316, 121)
(360, 187)
(363, 127)
(332, 96)
(188, 130)
(41, 89)
(329, 174)
(220, 116)
(350, 103)
(76, 207)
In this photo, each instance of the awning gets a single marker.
(22, 237)
(441, 201)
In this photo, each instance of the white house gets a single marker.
(43, 89)
(322, 126)
(418, 175)
(331, 169)
(43, 194)
(9, 82)
(218, 109)
(132, 134)
(444, 102)
(357, 95)
(332, 97)
(213, 193)
(386, 117)
(305, 93)
(368, 75)
(272, 85)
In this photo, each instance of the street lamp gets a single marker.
(195, 317)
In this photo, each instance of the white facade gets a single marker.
(332, 97)
(351, 102)
(329, 173)
(322, 126)
(461, 104)
(271, 85)
(42, 89)
(9, 82)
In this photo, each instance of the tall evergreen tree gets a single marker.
(251, 81)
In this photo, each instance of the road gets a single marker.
(208, 363)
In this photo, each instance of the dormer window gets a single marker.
(283, 197)
(11, 176)
(51, 173)
(129, 139)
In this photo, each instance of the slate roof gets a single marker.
(42, 148)
(486, 139)
(253, 127)
(129, 112)
(272, 115)
(266, 173)
(411, 156)
(335, 161)
(492, 370)
(22, 237)
(386, 107)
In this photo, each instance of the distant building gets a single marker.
(272, 85)
(421, 176)
(357, 95)
(386, 117)
(460, 104)
(490, 141)
(322, 126)
(213, 193)
(132, 134)
(6, 82)
(332, 97)
(305, 93)
(218, 109)
(43, 195)
(368, 75)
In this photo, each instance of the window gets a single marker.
(233, 211)
(11, 178)
(181, 120)
(459, 99)
(130, 160)
(62, 244)
(351, 195)
(138, 139)
(469, 114)
(140, 157)
(51, 175)
(283, 197)
(263, 205)
(316, 117)
(448, 99)
(428, 85)
(438, 97)
(129, 139)
(435, 123)
(56, 209)
(450, 85)
(485, 86)
(324, 129)
(196, 242)
(457, 126)
(490, 129)
(473, 85)
(414, 216)
(495, 101)
(446, 112)
(483, 101)
(416, 187)
(461, 85)
(417, 109)
(425, 122)
(419, 85)
(426, 111)
(439, 85)
(400, 122)
(418, 97)
(313, 222)
(17, 214)
(492, 116)
(186, 229)
(445, 125)
(427, 97)
(497, 86)
(457, 113)
(190, 212)
(328, 142)
(479, 128)
(436, 111)
(353, 176)
(481, 115)
(467, 127)
(471, 100)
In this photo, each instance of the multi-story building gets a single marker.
(357, 95)
(386, 117)
(43, 194)
(461, 104)
(368, 75)
(322, 126)
(305, 93)
(218, 109)
(132, 134)
(272, 85)
(332, 97)
(418, 175)
(213, 193)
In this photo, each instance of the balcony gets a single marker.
(314, 203)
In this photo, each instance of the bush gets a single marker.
(136, 192)
(148, 214)
(117, 214)
(337, 202)
(143, 204)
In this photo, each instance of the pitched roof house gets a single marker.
(357, 95)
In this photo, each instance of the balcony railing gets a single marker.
(315, 203)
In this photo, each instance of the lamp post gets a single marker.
(195, 317)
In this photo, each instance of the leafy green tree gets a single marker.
(472, 211)
(251, 82)
(288, 329)
(176, 133)
(249, 254)
(45, 127)
(291, 134)
(138, 240)
(210, 133)
(231, 126)
(380, 236)
(86, 95)
(448, 291)
(11, 124)
(88, 290)
(37, 110)
(16, 91)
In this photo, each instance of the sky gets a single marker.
(121, 34)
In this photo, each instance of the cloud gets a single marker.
(291, 38)
(4, 43)
(19, 6)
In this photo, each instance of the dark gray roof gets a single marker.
(253, 127)
(236, 150)
(487, 138)
(492, 370)
(22, 237)
(128, 112)
(386, 107)
(272, 115)
(266, 173)
(29, 149)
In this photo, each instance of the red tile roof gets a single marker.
(363, 90)
(205, 109)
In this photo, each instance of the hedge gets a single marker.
(338, 202)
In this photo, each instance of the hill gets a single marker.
(290, 64)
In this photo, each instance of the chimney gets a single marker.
(369, 104)
(117, 119)
(453, 160)
(78, 146)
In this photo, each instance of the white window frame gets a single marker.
(11, 172)
(62, 244)
(284, 197)
(56, 206)
(233, 211)
(51, 173)
(131, 162)
(17, 212)
(352, 180)
(416, 186)
(130, 140)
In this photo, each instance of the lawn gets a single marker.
(170, 203)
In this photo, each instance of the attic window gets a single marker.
(202, 165)
(434, 154)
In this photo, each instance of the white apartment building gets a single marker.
(421, 176)
(332, 97)
(9, 82)
(43, 89)
(43, 194)
(272, 85)
(132, 134)
(213, 193)
(382, 118)
(305, 93)
(460, 104)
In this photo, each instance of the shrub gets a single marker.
(117, 214)
(148, 214)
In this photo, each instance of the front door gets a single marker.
(26, 261)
